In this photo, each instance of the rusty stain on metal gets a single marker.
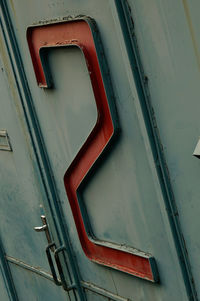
(192, 33)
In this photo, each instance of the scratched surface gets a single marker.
(124, 199)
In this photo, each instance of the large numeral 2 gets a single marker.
(82, 33)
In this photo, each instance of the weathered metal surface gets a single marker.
(125, 197)
(169, 44)
(102, 292)
(124, 11)
(88, 286)
(28, 267)
(5, 292)
(34, 286)
(41, 159)
(7, 286)
(83, 34)
(131, 156)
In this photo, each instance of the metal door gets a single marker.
(30, 261)
(25, 271)
(117, 211)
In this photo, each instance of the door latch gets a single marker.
(52, 246)
(44, 228)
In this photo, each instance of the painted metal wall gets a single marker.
(169, 45)
(136, 210)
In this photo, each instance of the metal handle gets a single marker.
(41, 228)
(44, 228)
(53, 271)
(52, 248)
(59, 267)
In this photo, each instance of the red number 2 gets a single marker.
(83, 34)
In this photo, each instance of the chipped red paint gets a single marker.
(79, 33)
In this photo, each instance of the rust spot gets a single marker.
(192, 33)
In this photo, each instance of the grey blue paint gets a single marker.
(130, 199)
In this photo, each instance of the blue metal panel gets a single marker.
(21, 188)
(124, 11)
(5, 293)
(168, 39)
(133, 152)
(129, 198)
(32, 287)
(52, 202)
(7, 287)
